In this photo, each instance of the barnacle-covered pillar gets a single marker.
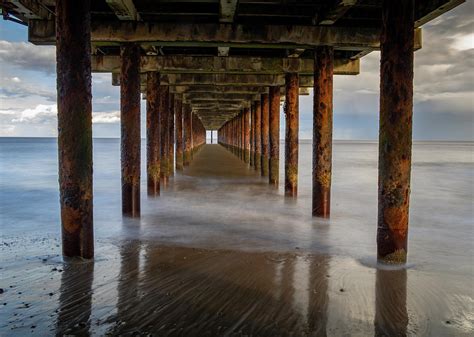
(73, 69)
(291, 134)
(153, 133)
(395, 134)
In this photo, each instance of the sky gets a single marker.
(443, 94)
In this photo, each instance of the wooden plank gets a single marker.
(124, 9)
(227, 10)
(336, 12)
(429, 10)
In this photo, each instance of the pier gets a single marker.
(226, 65)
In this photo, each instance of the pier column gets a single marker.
(211, 136)
(130, 128)
(179, 134)
(164, 133)
(291, 134)
(171, 136)
(274, 135)
(265, 134)
(258, 137)
(242, 135)
(187, 134)
(395, 135)
(246, 135)
(153, 133)
(75, 126)
(322, 130)
(252, 134)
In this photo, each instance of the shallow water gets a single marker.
(221, 253)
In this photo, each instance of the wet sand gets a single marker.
(221, 253)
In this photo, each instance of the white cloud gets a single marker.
(106, 117)
(28, 56)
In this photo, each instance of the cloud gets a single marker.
(41, 114)
(28, 56)
(106, 117)
(14, 87)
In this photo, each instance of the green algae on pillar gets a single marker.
(153, 133)
(75, 127)
(291, 134)
(395, 134)
(179, 134)
(258, 137)
(130, 128)
(322, 130)
(164, 133)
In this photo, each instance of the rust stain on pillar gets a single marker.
(75, 126)
(274, 135)
(153, 133)
(164, 133)
(252, 135)
(291, 134)
(395, 135)
(246, 135)
(179, 134)
(265, 134)
(187, 134)
(322, 130)
(258, 137)
(130, 128)
(171, 136)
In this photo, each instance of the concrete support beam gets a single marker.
(187, 125)
(75, 127)
(274, 135)
(179, 134)
(124, 9)
(291, 135)
(395, 137)
(179, 64)
(322, 130)
(217, 35)
(153, 139)
(265, 134)
(130, 129)
(31, 9)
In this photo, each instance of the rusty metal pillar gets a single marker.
(75, 127)
(252, 134)
(258, 137)
(265, 134)
(179, 134)
(291, 134)
(171, 136)
(322, 130)
(153, 133)
(211, 136)
(130, 128)
(164, 133)
(274, 135)
(395, 135)
(187, 134)
(246, 135)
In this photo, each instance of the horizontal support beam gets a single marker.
(178, 64)
(179, 89)
(196, 97)
(217, 35)
(222, 80)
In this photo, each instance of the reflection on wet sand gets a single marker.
(391, 316)
(75, 299)
(196, 292)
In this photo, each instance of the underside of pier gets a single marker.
(226, 65)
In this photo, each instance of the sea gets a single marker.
(222, 253)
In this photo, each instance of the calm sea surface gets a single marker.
(255, 263)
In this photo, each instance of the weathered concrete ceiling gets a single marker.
(221, 51)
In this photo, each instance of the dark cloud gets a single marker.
(27, 56)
